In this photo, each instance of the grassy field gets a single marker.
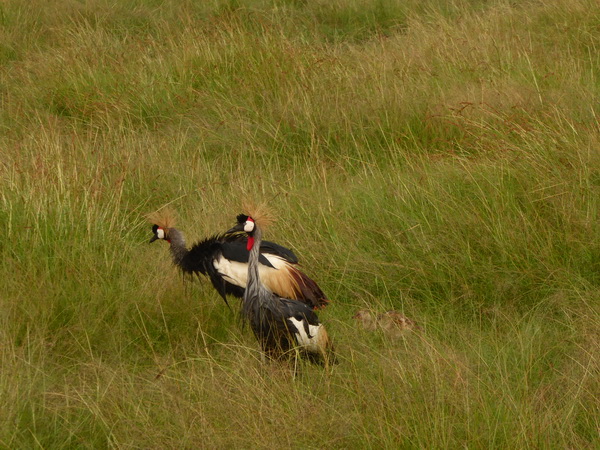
(441, 158)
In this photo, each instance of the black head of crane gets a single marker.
(281, 325)
(224, 259)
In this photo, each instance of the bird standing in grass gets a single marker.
(281, 325)
(392, 323)
(224, 259)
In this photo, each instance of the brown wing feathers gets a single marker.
(307, 289)
(290, 282)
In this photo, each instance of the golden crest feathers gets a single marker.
(263, 216)
(164, 217)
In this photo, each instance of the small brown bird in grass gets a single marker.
(367, 320)
(392, 323)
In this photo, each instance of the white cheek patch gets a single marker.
(248, 226)
(160, 233)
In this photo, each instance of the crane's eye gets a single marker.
(249, 226)
(160, 233)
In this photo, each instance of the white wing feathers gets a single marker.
(277, 279)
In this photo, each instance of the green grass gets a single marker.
(439, 158)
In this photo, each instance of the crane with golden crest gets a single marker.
(223, 258)
(281, 325)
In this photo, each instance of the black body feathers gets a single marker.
(200, 259)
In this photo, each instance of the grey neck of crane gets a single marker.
(178, 248)
(254, 285)
(254, 254)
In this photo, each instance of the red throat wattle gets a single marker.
(250, 243)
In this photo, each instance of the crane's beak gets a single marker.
(154, 238)
(239, 228)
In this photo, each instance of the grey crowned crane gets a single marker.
(223, 258)
(281, 325)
